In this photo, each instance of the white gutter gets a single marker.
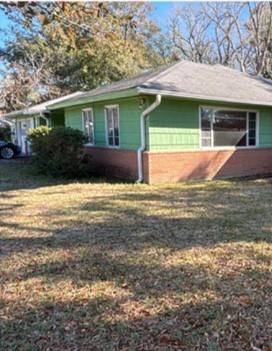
(8, 122)
(168, 93)
(141, 149)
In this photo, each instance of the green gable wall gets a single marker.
(174, 125)
(129, 113)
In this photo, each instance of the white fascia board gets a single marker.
(167, 93)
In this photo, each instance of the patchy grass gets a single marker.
(99, 266)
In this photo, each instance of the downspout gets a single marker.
(141, 149)
(45, 118)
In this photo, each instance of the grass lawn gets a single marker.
(112, 266)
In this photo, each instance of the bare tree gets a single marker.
(260, 29)
(226, 27)
(238, 35)
(26, 79)
(188, 31)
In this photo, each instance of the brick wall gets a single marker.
(178, 166)
(114, 162)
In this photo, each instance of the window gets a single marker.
(221, 127)
(88, 125)
(112, 121)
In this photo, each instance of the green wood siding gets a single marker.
(265, 127)
(73, 118)
(129, 113)
(174, 125)
(57, 118)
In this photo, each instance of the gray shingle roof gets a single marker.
(125, 84)
(215, 82)
(36, 109)
(182, 79)
(191, 80)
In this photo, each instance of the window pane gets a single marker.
(113, 126)
(116, 126)
(85, 118)
(252, 141)
(109, 119)
(229, 139)
(206, 142)
(252, 124)
(206, 118)
(252, 116)
(230, 128)
(115, 117)
(206, 139)
(111, 140)
(116, 131)
(252, 133)
(88, 125)
(243, 141)
(91, 136)
(252, 128)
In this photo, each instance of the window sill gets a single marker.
(112, 147)
(101, 146)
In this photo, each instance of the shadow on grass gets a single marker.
(22, 175)
(129, 221)
(143, 242)
(220, 313)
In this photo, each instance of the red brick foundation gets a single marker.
(114, 162)
(179, 166)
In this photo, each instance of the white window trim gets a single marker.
(106, 126)
(83, 126)
(228, 147)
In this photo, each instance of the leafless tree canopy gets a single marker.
(232, 34)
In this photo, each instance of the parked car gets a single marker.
(8, 150)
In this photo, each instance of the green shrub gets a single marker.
(59, 151)
(5, 133)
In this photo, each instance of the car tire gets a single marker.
(7, 152)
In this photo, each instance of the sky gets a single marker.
(3, 25)
(160, 10)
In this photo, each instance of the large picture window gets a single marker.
(88, 125)
(220, 127)
(112, 120)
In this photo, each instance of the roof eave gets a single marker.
(23, 113)
(197, 97)
(96, 98)
(36, 109)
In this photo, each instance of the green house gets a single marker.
(184, 121)
(180, 122)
